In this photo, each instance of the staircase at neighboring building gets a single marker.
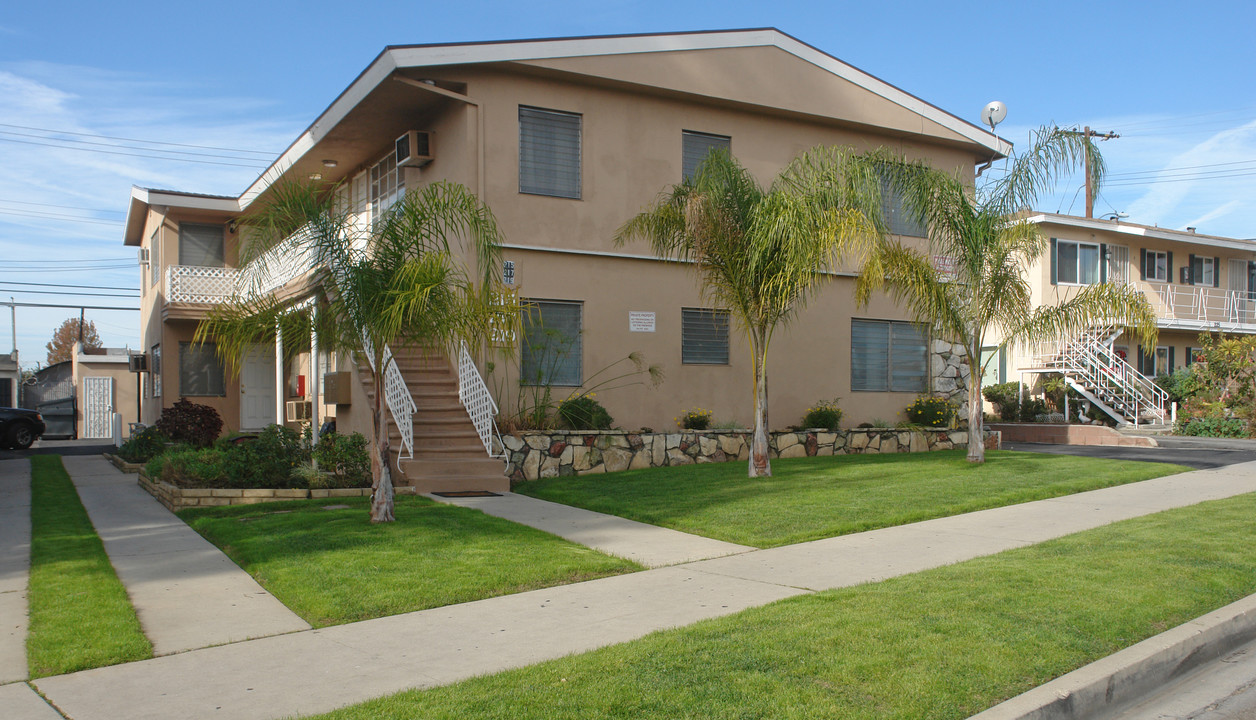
(1092, 368)
(449, 454)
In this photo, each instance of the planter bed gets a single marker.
(176, 498)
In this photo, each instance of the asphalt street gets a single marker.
(1195, 452)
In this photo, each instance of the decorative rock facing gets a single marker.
(950, 374)
(562, 453)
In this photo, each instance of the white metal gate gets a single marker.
(97, 407)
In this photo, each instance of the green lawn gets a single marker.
(812, 498)
(331, 566)
(80, 616)
(945, 643)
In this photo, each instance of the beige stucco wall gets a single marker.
(114, 367)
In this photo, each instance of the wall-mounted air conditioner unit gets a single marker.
(143, 253)
(298, 410)
(414, 149)
(137, 363)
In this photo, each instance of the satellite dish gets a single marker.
(993, 113)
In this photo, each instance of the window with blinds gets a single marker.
(898, 217)
(703, 336)
(200, 370)
(154, 259)
(549, 152)
(551, 349)
(888, 356)
(154, 372)
(695, 147)
(200, 245)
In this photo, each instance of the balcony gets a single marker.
(1187, 307)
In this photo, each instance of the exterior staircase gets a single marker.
(1092, 368)
(449, 455)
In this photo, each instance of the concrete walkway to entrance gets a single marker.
(649, 545)
(319, 670)
(15, 563)
(187, 593)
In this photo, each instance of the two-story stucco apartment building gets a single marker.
(565, 140)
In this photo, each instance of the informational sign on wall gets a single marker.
(640, 321)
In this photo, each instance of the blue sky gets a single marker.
(249, 77)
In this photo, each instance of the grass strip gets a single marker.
(80, 616)
(819, 497)
(945, 643)
(329, 565)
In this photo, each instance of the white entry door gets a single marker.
(97, 407)
(257, 388)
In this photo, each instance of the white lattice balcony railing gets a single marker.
(194, 284)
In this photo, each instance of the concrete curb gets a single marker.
(1104, 686)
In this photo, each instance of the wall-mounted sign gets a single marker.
(946, 267)
(640, 321)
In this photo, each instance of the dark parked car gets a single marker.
(19, 428)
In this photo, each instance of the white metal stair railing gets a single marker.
(396, 396)
(1091, 366)
(1205, 304)
(474, 395)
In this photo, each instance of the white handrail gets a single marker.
(474, 395)
(396, 396)
(1110, 377)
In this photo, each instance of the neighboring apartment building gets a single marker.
(565, 140)
(1196, 284)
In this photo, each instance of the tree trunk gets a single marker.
(382, 486)
(760, 460)
(976, 418)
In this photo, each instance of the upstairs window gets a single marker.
(695, 147)
(551, 345)
(1075, 263)
(549, 152)
(388, 184)
(201, 245)
(154, 259)
(1204, 271)
(1157, 266)
(703, 336)
(898, 217)
(888, 356)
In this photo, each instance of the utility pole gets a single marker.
(1090, 191)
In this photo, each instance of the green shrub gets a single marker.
(144, 445)
(265, 461)
(185, 421)
(1006, 399)
(584, 413)
(192, 468)
(1212, 426)
(1031, 408)
(1182, 385)
(694, 419)
(824, 414)
(343, 459)
(934, 412)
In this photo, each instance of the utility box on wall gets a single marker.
(336, 388)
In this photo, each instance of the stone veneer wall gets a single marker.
(534, 455)
(950, 374)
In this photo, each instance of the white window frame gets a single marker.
(1160, 361)
(1077, 268)
(1207, 273)
(387, 184)
(154, 259)
(1157, 260)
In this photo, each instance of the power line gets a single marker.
(101, 260)
(63, 292)
(80, 287)
(151, 157)
(1184, 167)
(55, 269)
(147, 142)
(1180, 179)
(126, 147)
(72, 307)
(59, 216)
(63, 207)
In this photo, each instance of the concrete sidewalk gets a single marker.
(15, 557)
(649, 545)
(320, 670)
(186, 592)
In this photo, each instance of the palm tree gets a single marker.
(990, 245)
(400, 280)
(758, 252)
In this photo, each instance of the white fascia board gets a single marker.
(1143, 231)
(468, 54)
(144, 198)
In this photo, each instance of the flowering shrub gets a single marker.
(826, 414)
(929, 411)
(694, 419)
